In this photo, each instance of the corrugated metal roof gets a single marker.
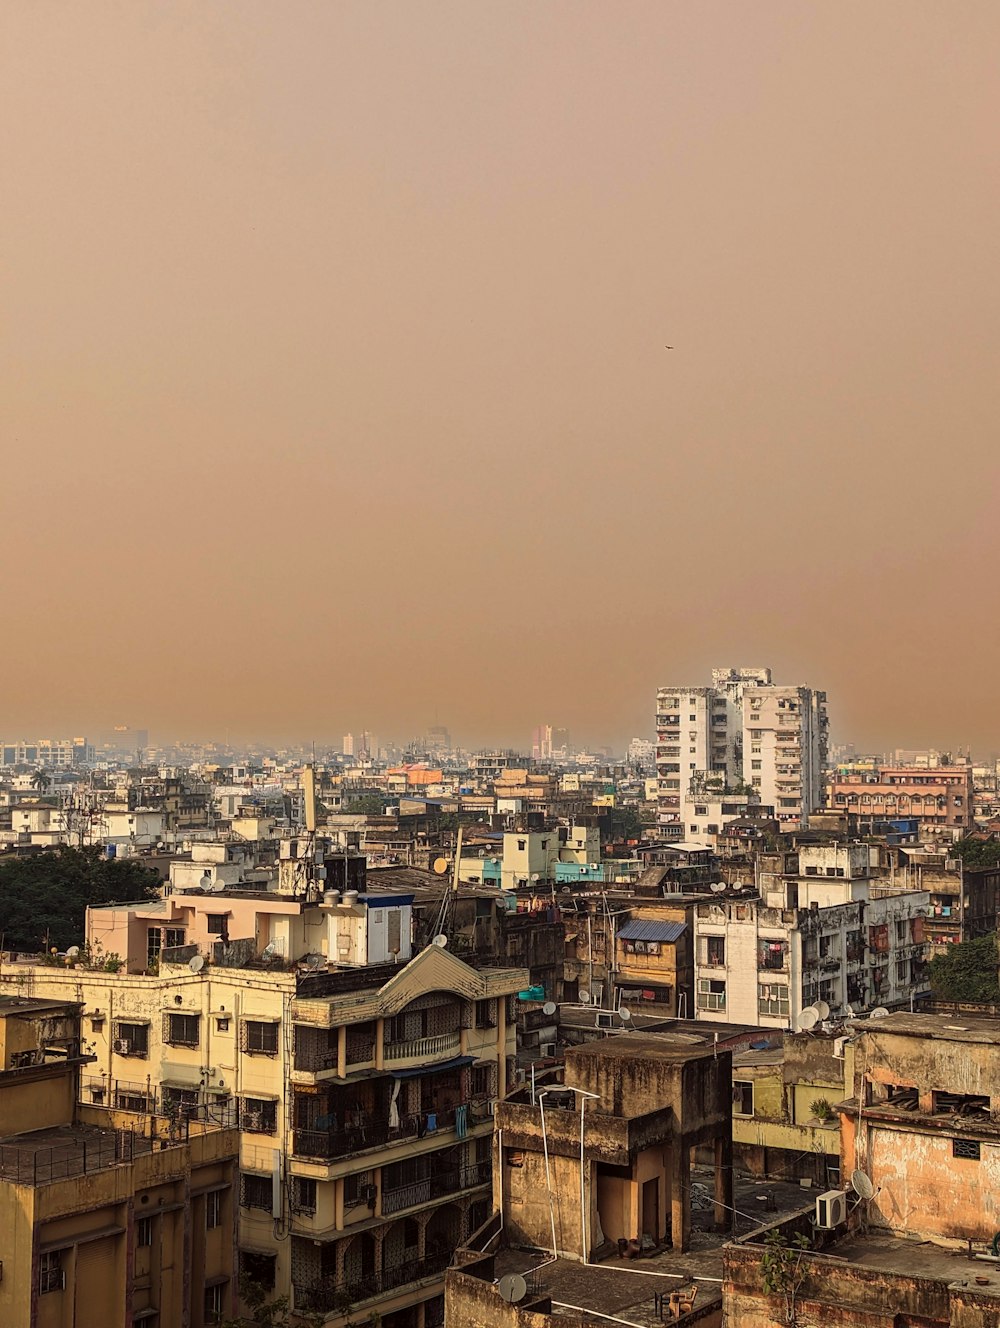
(642, 929)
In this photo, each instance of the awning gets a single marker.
(642, 929)
(454, 1064)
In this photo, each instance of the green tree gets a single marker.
(967, 972)
(365, 804)
(977, 852)
(44, 898)
(40, 781)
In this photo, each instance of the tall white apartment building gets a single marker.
(744, 729)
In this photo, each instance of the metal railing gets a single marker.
(329, 1144)
(326, 1293)
(437, 1185)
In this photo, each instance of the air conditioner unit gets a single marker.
(838, 1047)
(491, 1107)
(122, 1046)
(605, 1019)
(831, 1210)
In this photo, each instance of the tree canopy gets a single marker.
(977, 852)
(967, 972)
(44, 897)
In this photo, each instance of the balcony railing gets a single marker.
(435, 1186)
(423, 1048)
(329, 1144)
(326, 1293)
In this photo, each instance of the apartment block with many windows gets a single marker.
(364, 1090)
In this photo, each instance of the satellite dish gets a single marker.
(624, 1014)
(440, 940)
(72, 952)
(850, 1011)
(584, 997)
(216, 888)
(566, 890)
(512, 1288)
(822, 1009)
(880, 1012)
(809, 1018)
(535, 876)
(206, 881)
(196, 963)
(717, 887)
(440, 866)
(861, 1185)
(549, 1007)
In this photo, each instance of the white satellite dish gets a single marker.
(822, 1009)
(584, 997)
(717, 887)
(624, 1014)
(861, 1185)
(850, 1011)
(196, 963)
(216, 888)
(440, 940)
(72, 952)
(809, 1018)
(512, 1288)
(880, 1012)
(549, 1007)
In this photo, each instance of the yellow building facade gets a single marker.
(364, 1096)
(107, 1218)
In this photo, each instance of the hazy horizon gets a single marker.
(337, 380)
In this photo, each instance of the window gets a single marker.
(222, 1025)
(772, 1000)
(967, 1148)
(217, 923)
(714, 954)
(742, 1097)
(255, 1191)
(258, 1115)
(213, 1210)
(182, 1030)
(215, 1302)
(359, 1190)
(173, 936)
(130, 1039)
(711, 994)
(51, 1276)
(486, 1014)
(259, 1038)
(133, 1100)
(144, 1231)
(755, 765)
(303, 1194)
(258, 1269)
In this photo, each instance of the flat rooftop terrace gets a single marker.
(45, 1156)
(626, 1289)
(915, 1259)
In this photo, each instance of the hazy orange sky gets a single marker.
(335, 388)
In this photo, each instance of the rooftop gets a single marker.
(958, 1028)
(45, 1156)
(624, 1289)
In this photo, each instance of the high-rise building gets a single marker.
(743, 730)
(348, 747)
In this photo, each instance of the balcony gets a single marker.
(424, 1049)
(331, 1145)
(437, 1186)
(327, 1295)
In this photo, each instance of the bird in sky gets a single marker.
(668, 348)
